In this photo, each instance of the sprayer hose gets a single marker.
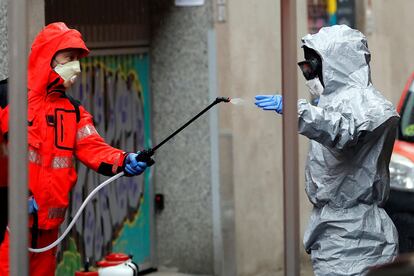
(78, 213)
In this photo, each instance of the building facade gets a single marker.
(221, 178)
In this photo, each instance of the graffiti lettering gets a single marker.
(114, 97)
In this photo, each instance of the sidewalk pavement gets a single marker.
(172, 273)
(307, 271)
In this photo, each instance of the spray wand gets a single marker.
(144, 156)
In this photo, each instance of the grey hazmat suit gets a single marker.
(352, 132)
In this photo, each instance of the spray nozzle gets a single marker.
(222, 99)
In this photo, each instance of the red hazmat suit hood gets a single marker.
(53, 38)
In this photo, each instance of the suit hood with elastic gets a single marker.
(53, 38)
(345, 56)
(347, 76)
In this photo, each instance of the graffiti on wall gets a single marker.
(114, 89)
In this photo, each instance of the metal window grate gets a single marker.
(104, 23)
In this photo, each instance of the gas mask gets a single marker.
(309, 68)
(312, 71)
(68, 71)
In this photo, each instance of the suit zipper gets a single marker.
(61, 127)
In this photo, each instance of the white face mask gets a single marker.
(315, 87)
(68, 71)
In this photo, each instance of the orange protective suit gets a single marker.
(59, 129)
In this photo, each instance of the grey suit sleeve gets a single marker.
(330, 128)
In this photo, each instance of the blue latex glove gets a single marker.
(132, 166)
(32, 205)
(270, 102)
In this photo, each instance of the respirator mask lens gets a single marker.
(309, 68)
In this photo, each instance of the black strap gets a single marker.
(76, 104)
(52, 84)
(35, 229)
(3, 93)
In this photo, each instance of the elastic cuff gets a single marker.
(119, 164)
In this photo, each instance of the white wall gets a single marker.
(392, 46)
(249, 58)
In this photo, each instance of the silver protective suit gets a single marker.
(352, 132)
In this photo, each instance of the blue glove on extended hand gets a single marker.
(270, 102)
(132, 166)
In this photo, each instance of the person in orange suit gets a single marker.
(59, 129)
